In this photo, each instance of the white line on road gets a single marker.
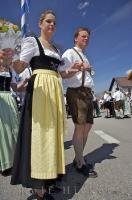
(107, 137)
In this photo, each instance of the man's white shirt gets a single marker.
(70, 57)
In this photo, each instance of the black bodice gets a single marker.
(43, 61)
(5, 83)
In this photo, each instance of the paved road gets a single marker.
(109, 146)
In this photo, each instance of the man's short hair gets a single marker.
(81, 29)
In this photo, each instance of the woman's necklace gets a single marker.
(47, 44)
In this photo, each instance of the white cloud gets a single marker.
(122, 13)
(83, 5)
(84, 13)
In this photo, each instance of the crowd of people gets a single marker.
(117, 104)
(33, 114)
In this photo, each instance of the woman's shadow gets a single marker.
(73, 181)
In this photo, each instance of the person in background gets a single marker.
(9, 117)
(118, 97)
(127, 105)
(111, 106)
(107, 98)
(79, 97)
(96, 106)
(131, 102)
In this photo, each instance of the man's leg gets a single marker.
(85, 136)
(78, 143)
(87, 129)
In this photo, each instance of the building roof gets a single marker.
(121, 82)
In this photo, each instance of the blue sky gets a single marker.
(110, 46)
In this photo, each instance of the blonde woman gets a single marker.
(39, 157)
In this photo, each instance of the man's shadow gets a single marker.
(73, 181)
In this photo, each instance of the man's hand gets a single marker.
(86, 67)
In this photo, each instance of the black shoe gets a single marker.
(7, 172)
(92, 173)
(126, 116)
(88, 165)
(47, 196)
(54, 189)
(74, 163)
(83, 170)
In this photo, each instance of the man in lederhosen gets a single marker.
(79, 98)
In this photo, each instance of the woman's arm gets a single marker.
(21, 86)
(67, 73)
(71, 71)
(28, 49)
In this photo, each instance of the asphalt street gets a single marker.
(109, 148)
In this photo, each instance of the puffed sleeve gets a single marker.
(28, 49)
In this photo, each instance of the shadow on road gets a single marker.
(102, 153)
(73, 182)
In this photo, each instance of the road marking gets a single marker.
(106, 137)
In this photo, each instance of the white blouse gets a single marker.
(30, 49)
(6, 74)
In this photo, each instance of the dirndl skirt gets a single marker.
(9, 119)
(39, 153)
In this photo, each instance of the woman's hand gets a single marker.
(82, 66)
(76, 67)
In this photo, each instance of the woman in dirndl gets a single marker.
(39, 156)
(9, 117)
